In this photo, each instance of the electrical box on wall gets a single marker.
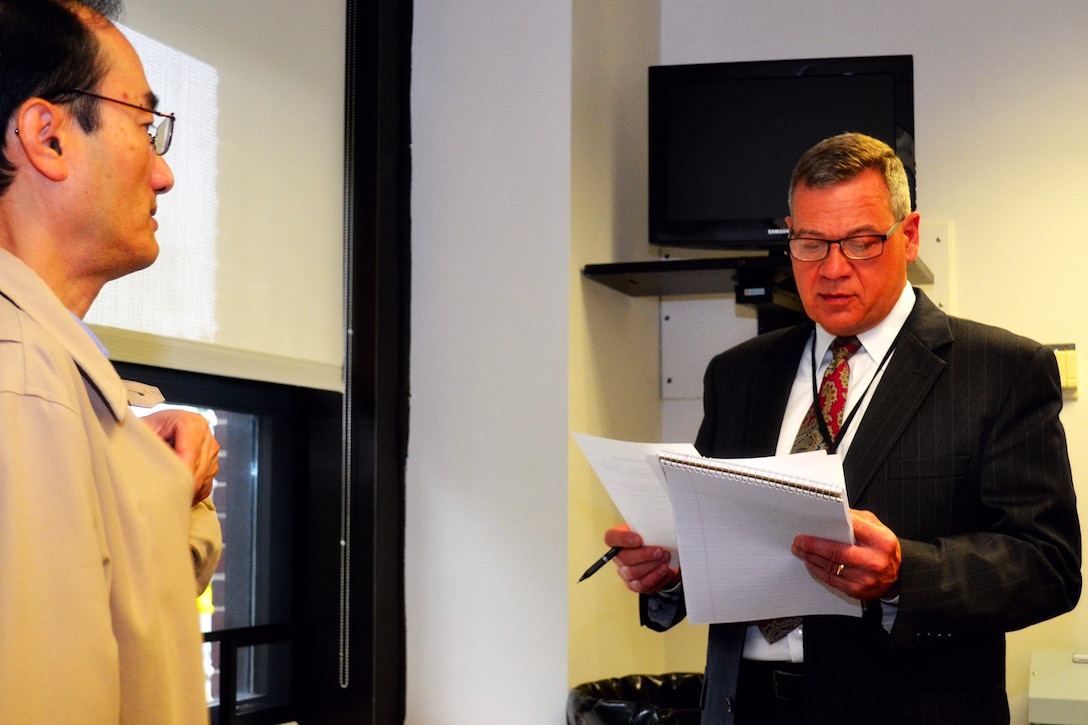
(1066, 354)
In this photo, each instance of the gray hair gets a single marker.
(843, 157)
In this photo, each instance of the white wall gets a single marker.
(485, 539)
(1001, 117)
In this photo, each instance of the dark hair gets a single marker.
(843, 157)
(45, 50)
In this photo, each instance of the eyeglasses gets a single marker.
(863, 246)
(161, 135)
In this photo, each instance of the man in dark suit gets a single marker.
(956, 467)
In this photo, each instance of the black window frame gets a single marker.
(348, 451)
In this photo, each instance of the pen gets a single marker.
(601, 562)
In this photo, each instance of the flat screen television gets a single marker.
(724, 138)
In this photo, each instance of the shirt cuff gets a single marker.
(889, 609)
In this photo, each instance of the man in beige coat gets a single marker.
(106, 531)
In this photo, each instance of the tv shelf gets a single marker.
(678, 277)
(707, 276)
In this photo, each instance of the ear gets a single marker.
(41, 138)
(911, 230)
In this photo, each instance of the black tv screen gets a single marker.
(724, 138)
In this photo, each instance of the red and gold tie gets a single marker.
(809, 438)
(832, 398)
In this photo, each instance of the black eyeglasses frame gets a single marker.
(849, 255)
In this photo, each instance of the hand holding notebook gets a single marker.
(736, 520)
(730, 523)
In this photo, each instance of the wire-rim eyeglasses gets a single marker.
(161, 135)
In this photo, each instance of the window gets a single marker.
(252, 613)
(336, 461)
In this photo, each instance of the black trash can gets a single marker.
(671, 699)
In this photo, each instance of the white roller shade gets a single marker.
(249, 279)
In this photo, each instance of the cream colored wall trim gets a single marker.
(145, 349)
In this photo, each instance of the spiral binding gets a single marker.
(754, 476)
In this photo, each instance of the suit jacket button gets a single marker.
(729, 704)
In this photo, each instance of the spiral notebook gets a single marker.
(735, 523)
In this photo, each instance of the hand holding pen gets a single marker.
(644, 569)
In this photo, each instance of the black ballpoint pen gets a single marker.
(601, 562)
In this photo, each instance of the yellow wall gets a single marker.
(613, 338)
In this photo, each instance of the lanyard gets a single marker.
(833, 444)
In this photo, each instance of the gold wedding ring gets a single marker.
(838, 572)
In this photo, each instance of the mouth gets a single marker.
(835, 298)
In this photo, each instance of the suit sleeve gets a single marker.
(1021, 563)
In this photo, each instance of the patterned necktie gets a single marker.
(809, 438)
(832, 398)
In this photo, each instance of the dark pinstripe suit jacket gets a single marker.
(962, 455)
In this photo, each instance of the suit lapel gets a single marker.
(772, 387)
(914, 368)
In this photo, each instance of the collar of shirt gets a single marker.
(89, 331)
(875, 344)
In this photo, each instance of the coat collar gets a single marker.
(27, 291)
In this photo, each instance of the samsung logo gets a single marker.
(779, 232)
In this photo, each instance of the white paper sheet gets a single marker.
(632, 475)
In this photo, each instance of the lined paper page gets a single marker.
(735, 536)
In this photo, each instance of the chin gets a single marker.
(149, 253)
(837, 325)
(140, 260)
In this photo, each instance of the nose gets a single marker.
(835, 264)
(162, 178)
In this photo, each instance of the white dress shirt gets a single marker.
(866, 370)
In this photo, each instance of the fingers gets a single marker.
(198, 449)
(867, 570)
(191, 438)
(622, 536)
(205, 466)
(643, 569)
(824, 559)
